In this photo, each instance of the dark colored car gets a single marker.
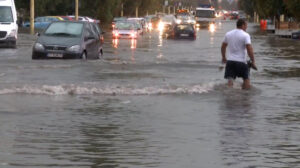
(296, 35)
(234, 16)
(69, 40)
(184, 31)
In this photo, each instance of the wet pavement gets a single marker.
(151, 102)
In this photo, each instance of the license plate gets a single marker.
(55, 55)
(184, 35)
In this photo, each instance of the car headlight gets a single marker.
(13, 33)
(75, 48)
(178, 21)
(39, 47)
(161, 26)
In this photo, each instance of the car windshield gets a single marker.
(64, 29)
(184, 27)
(125, 26)
(184, 17)
(6, 14)
(205, 13)
(168, 19)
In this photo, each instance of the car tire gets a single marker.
(84, 56)
(101, 54)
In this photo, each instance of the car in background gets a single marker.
(155, 22)
(66, 18)
(117, 19)
(141, 21)
(242, 15)
(80, 18)
(205, 16)
(85, 19)
(138, 25)
(125, 30)
(167, 24)
(43, 22)
(234, 15)
(8, 23)
(184, 31)
(149, 22)
(67, 40)
(185, 19)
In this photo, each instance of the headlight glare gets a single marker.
(75, 48)
(39, 47)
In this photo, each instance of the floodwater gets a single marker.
(151, 102)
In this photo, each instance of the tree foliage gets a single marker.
(104, 10)
(272, 8)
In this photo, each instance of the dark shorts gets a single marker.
(236, 69)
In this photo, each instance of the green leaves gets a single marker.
(104, 10)
(271, 8)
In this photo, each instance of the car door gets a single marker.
(98, 33)
(90, 41)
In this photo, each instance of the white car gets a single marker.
(125, 30)
(8, 23)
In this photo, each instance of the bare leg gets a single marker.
(246, 84)
(230, 83)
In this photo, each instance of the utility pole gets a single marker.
(31, 16)
(76, 9)
(122, 10)
(137, 11)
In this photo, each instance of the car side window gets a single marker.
(97, 29)
(94, 30)
(88, 32)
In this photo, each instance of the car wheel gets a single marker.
(84, 56)
(101, 53)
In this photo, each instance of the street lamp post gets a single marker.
(31, 16)
(76, 9)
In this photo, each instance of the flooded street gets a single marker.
(151, 102)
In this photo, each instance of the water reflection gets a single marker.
(116, 43)
(212, 28)
(237, 120)
(112, 138)
(160, 40)
(133, 44)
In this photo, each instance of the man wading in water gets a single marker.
(239, 44)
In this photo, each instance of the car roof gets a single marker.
(210, 9)
(70, 21)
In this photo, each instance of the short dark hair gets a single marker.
(240, 23)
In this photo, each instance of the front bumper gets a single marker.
(8, 41)
(59, 55)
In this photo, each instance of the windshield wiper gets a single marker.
(5, 22)
(61, 34)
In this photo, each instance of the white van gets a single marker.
(205, 16)
(8, 23)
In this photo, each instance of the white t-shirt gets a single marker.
(237, 40)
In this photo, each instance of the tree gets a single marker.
(293, 7)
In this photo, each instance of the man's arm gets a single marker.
(223, 51)
(251, 55)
